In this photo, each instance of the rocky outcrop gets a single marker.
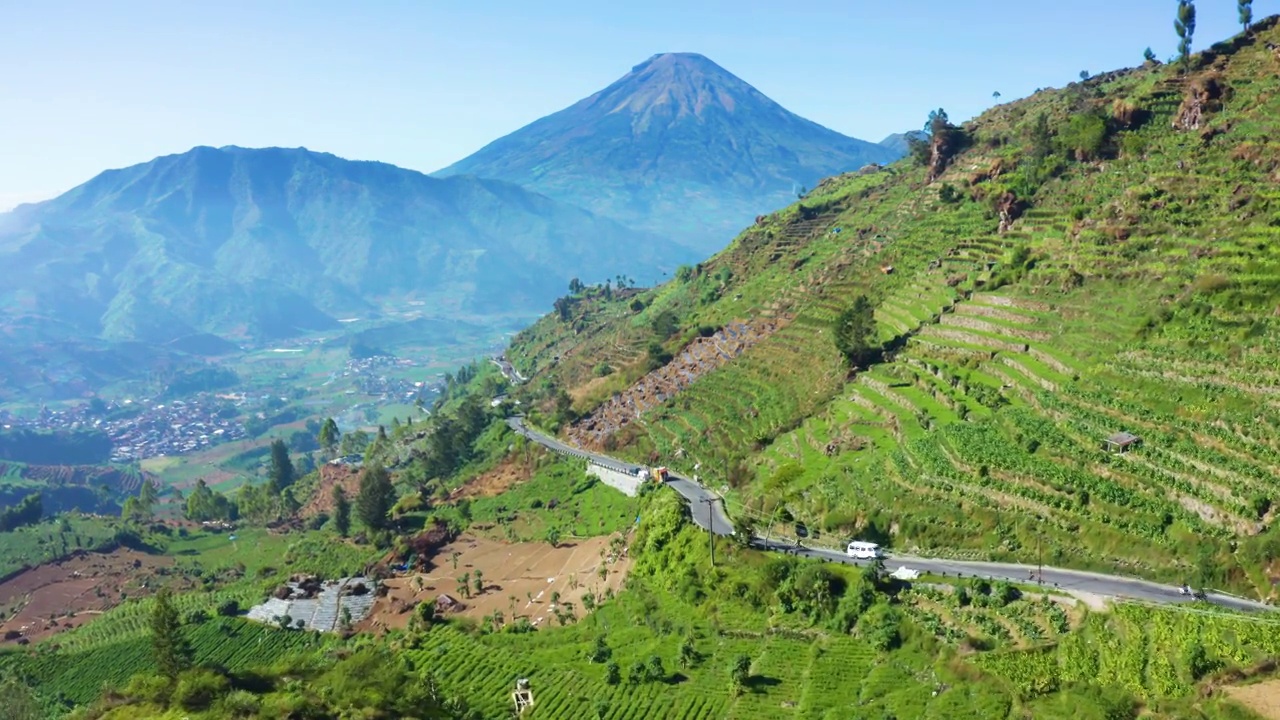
(1204, 96)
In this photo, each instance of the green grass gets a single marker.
(584, 506)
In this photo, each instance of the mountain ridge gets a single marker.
(187, 242)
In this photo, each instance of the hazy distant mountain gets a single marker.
(267, 243)
(679, 147)
(897, 142)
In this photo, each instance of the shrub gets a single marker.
(1084, 136)
(879, 627)
(198, 689)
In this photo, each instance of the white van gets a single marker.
(863, 550)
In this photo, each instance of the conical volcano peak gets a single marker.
(676, 138)
(682, 84)
(687, 60)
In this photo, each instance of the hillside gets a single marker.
(1089, 260)
(267, 243)
(679, 147)
(930, 356)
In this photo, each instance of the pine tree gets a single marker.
(1245, 7)
(289, 505)
(1185, 25)
(281, 467)
(172, 654)
(147, 499)
(376, 497)
(341, 511)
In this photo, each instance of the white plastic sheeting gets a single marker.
(322, 612)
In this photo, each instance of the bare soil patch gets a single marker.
(1262, 698)
(331, 475)
(58, 596)
(492, 482)
(518, 578)
(699, 357)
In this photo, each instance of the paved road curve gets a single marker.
(712, 514)
(705, 506)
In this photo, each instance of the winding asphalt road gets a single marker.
(508, 370)
(708, 514)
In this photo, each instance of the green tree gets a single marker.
(147, 499)
(553, 536)
(612, 673)
(354, 443)
(172, 654)
(341, 511)
(654, 670)
(1185, 25)
(426, 612)
(478, 576)
(665, 324)
(289, 505)
(281, 472)
(130, 511)
(600, 651)
(1085, 135)
(854, 332)
(205, 504)
(575, 286)
(329, 435)
(1041, 138)
(688, 652)
(739, 673)
(1245, 8)
(376, 497)
(1148, 55)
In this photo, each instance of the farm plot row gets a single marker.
(1143, 649)
(804, 678)
(80, 675)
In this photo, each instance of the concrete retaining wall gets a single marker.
(628, 484)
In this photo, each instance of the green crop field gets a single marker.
(52, 539)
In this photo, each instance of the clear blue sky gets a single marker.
(86, 86)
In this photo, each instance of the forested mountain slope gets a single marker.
(268, 243)
(1089, 260)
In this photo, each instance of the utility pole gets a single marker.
(1039, 560)
(711, 528)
